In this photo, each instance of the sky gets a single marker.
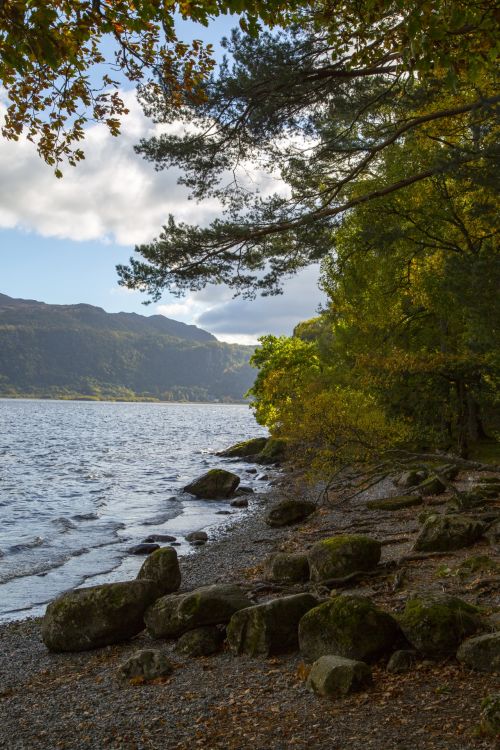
(60, 240)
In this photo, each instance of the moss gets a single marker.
(435, 625)
(273, 451)
(395, 503)
(341, 555)
(245, 448)
(448, 532)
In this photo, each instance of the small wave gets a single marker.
(22, 546)
(159, 519)
(64, 523)
(85, 517)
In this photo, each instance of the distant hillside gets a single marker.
(81, 351)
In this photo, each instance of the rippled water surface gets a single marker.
(81, 482)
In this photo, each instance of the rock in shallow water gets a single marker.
(240, 502)
(216, 484)
(332, 675)
(143, 549)
(148, 664)
(158, 538)
(97, 616)
(162, 567)
(173, 615)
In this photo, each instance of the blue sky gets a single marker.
(60, 240)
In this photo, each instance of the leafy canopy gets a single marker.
(51, 52)
(317, 107)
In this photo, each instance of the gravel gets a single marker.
(75, 701)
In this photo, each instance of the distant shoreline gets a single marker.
(111, 400)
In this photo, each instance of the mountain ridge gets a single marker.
(82, 351)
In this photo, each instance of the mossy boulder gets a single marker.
(411, 478)
(147, 664)
(481, 653)
(97, 616)
(216, 484)
(246, 448)
(448, 471)
(432, 486)
(285, 567)
(401, 661)
(288, 512)
(350, 626)
(333, 676)
(339, 556)
(203, 641)
(448, 532)
(175, 614)
(395, 503)
(435, 624)
(269, 628)
(274, 451)
(490, 715)
(162, 567)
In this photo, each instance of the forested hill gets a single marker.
(78, 351)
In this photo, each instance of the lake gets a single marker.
(82, 482)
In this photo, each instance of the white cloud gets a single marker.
(114, 195)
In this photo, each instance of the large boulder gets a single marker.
(97, 616)
(216, 484)
(332, 676)
(274, 451)
(339, 556)
(288, 567)
(245, 449)
(436, 624)
(148, 664)
(350, 626)
(269, 628)
(481, 653)
(448, 532)
(288, 512)
(203, 641)
(173, 615)
(162, 567)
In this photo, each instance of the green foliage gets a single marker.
(79, 351)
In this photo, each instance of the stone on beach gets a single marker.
(481, 653)
(288, 512)
(203, 641)
(287, 567)
(448, 532)
(350, 626)
(332, 676)
(436, 624)
(339, 556)
(175, 614)
(216, 484)
(148, 664)
(197, 536)
(162, 567)
(240, 502)
(97, 616)
(269, 628)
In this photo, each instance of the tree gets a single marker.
(318, 106)
(49, 51)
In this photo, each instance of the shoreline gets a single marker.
(74, 701)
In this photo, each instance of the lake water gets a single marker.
(81, 482)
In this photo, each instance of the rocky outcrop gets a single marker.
(350, 626)
(216, 484)
(448, 532)
(269, 628)
(481, 653)
(203, 641)
(339, 556)
(436, 624)
(162, 567)
(288, 512)
(395, 503)
(245, 449)
(148, 664)
(285, 567)
(173, 615)
(333, 676)
(97, 616)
